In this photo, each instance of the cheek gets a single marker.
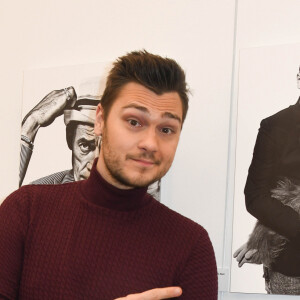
(120, 142)
(81, 158)
(84, 158)
(76, 153)
(118, 135)
(76, 164)
(80, 164)
(169, 150)
(169, 161)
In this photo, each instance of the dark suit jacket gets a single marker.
(277, 155)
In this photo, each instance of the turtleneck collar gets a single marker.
(98, 191)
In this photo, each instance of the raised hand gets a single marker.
(47, 110)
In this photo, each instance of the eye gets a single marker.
(167, 130)
(86, 147)
(134, 123)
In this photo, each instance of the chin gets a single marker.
(140, 182)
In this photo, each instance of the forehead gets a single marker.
(134, 93)
(84, 131)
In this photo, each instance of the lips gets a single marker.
(147, 160)
(144, 162)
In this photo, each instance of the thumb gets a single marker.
(71, 96)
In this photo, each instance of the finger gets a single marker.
(71, 96)
(243, 261)
(239, 250)
(236, 253)
(250, 253)
(241, 255)
(248, 258)
(155, 294)
(162, 293)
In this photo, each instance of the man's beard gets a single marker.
(112, 164)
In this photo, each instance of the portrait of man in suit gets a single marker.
(271, 185)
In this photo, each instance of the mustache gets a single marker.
(149, 156)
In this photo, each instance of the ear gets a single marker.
(99, 121)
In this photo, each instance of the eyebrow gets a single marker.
(145, 110)
(93, 140)
(172, 116)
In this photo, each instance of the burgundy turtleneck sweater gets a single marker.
(90, 240)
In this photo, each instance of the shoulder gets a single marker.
(180, 225)
(56, 178)
(15, 209)
(33, 198)
(50, 192)
(15, 198)
(282, 119)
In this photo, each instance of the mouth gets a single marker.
(144, 162)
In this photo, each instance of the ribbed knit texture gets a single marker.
(90, 240)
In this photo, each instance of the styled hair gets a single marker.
(158, 74)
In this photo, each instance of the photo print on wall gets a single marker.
(266, 235)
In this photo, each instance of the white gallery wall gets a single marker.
(204, 36)
(199, 34)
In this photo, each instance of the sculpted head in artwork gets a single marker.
(80, 135)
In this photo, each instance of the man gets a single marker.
(276, 156)
(106, 237)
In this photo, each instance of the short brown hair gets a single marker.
(158, 74)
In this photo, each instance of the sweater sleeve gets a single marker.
(13, 226)
(198, 279)
(261, 178)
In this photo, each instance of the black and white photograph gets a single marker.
(57, 129)
(266, 221)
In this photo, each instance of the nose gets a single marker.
(90, 158)
(149, 141)
(97, 151)
(89, 166)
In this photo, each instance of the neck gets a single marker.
(102, 193)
